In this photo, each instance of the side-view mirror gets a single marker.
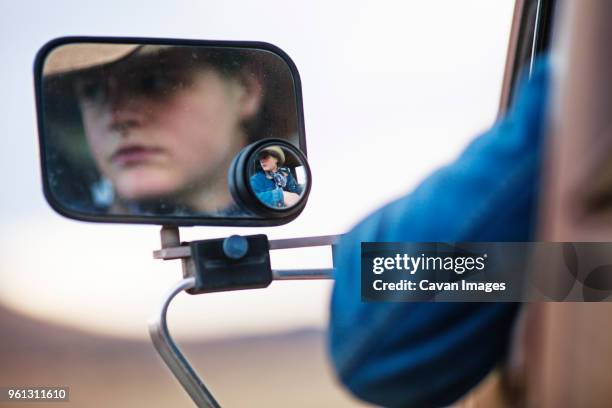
(172, 132)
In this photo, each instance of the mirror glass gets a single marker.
(277, 177)
(150, 130)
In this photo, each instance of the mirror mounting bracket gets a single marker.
(220, 265)
(231, 263)
(170, 236)
(182, 251)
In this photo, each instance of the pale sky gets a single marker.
(407, 83)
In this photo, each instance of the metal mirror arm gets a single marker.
(158, 327)
(177, 251)
(303, 274)
(171, 354)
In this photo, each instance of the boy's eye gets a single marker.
(92, 90)
(159, 83)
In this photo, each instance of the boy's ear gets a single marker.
(252, 97)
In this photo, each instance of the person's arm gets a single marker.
(273, 198)
(292, 191)
(292, 185)
(430, 354)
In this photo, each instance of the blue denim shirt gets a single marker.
(269, 193)
(430, 354)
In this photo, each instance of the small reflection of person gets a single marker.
(164, 122)
(274, 185)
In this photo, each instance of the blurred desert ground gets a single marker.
(281, 370)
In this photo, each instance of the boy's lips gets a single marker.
(134, 154)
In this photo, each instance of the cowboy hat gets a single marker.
(75, 57)
(274, 151)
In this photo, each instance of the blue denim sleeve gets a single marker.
(430, 354)
(266, 191)
(292, 185)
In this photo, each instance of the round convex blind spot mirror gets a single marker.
(271, 178)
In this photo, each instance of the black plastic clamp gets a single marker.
(233, 263)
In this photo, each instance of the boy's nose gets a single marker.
(127, 111)
(126, 115)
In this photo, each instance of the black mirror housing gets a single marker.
(118, 143)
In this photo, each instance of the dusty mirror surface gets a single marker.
(150, 130)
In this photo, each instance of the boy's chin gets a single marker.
(139, 190)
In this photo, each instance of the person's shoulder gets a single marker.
(257, 175)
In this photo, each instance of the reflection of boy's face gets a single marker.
(268, 162)
(171, 141)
